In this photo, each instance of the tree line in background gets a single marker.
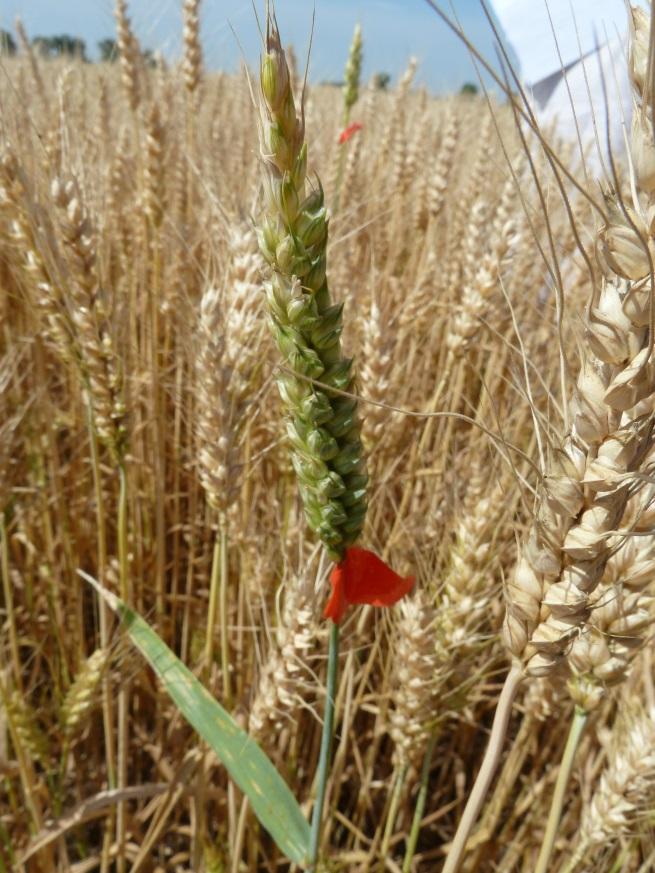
(65, 45)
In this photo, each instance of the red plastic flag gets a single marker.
(349, 131)
(362, 577)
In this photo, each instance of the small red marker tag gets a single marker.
(349, 131)
(362, 577)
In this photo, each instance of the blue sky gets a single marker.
(393, 30)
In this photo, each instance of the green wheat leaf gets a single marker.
(269, 795)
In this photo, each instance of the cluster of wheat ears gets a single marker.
(180, 424)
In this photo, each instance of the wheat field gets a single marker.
(498, 314)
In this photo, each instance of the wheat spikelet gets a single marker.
(81, 696)
(26, 46)
(468, 595)
(414, 680)
(603, 653)
(369, 106)
(192, 63)
(215, 429)
(78, 238)
(352, 74)
(438, 186)
(11, 419)
(405, 82)
(128, 54)
(244, 295)
(323, 428)
(563, 561)
(466, 584)
(281, 686)
(154, 168)
(214, 859)
(472, 192)
(542, 699)
(415, 157)
(16, 197)
(421, 170)
(64, 88)
(418, 310)
(478, 291)
(626, 790)
(398, 149)
(27, 730)
(374, 375)
(97, 357)
(623, 610)
(118, 173)
(351, 178)
(230, 351)
(586, 491)
(393, 143)
(103, 124)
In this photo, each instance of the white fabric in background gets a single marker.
(581, 26)
(584, 80)
(527, 27)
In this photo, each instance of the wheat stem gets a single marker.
(107, 708)
(489, 764)
(158, 425)
(225, 649)
(212, 609)
(577, 857)
(107, 702)
(326, 742)
(415, 830)
(240, 836)
(396, 795)
(9, 603)
(124, 694)
(575, 734)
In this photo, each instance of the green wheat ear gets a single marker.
(323, 427)
(352, 74)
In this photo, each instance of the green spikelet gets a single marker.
(81, 695)
(322, 426)
(214, 859)
(27, 730)
(352, 74)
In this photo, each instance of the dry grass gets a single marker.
(142, 442)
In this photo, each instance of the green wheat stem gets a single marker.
(326, 742)
(124, 693)
(107, 704)
(396, 794)
(225, 649)
(419, 809)
(339, 180)
(575, 734)
(9, 602)
(122, 533)
(212, 609)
